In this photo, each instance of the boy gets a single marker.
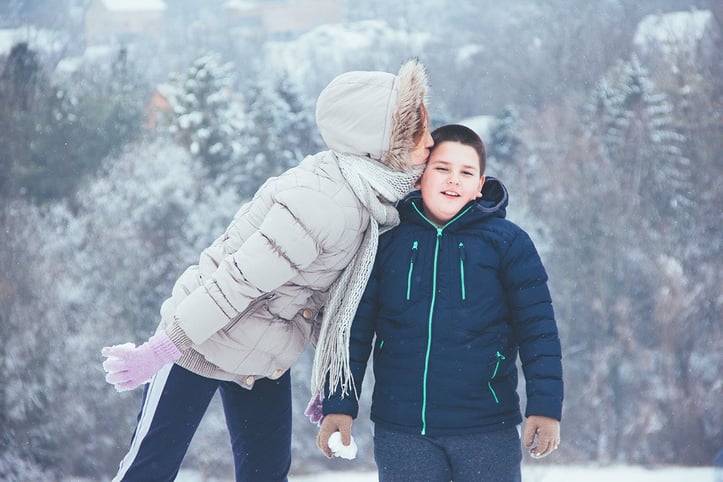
(456, 291)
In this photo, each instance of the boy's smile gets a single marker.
(451, 179)
(450, 193)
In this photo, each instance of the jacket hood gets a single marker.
(373, 114)
(492, 204)
(494, 198)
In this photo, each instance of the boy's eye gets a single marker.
(443, 169)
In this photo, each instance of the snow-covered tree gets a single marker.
(317, 56)
(640, 135)
(206, 115)
(503, 144)
(129, 234)
(279, 133)
(55, 132)
(26, 338)
(634, 202)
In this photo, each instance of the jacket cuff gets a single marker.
(544, 406)
(347, 405)
(178, 337)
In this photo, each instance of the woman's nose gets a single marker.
(429, 141)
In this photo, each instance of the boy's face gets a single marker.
(451, 179)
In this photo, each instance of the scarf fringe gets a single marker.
(378, 187)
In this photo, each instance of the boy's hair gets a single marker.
(464, 135)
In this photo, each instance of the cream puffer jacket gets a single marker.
(249, 307)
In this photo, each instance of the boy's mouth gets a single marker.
(450, 193)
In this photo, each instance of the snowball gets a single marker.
(339, 449)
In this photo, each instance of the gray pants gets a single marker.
(479, 457)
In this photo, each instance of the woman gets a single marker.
(241, 317)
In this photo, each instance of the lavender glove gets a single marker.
(129, 366)
(314, 410)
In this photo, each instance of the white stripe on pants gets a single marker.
(155, 389)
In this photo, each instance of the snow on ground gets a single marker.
(539, 473)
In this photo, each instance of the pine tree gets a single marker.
(504, 144)
(206, 115)
(133, 230)
(635, 124)
(280, 131)
(54, 133)
(645, 212)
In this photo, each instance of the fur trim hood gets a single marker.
(373, 114)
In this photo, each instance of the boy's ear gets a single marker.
(479, 190)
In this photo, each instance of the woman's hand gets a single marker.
(129, 366)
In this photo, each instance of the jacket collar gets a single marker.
(492, 204)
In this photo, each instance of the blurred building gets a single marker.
(113, 21)
(284, 17)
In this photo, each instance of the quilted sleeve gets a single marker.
(298, 225)
(534, 325)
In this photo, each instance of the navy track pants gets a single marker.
(174, 402)
(477, 457)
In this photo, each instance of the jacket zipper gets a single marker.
(431, 309)
(251, 307)
(429, 334)
(500, 357)
(412, 260)
(461, 270)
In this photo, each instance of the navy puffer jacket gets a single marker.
(446, 311)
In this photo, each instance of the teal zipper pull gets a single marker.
(461, 270)
(500, 357)
(412, 260)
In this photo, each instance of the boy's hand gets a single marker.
(333, 422)
(547, 432)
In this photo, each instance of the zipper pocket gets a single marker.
(500, 357)
(412, 260)
(251, 307)
(461, 270)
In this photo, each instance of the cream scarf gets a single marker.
(378, 188)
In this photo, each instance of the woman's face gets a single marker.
(420, 152)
